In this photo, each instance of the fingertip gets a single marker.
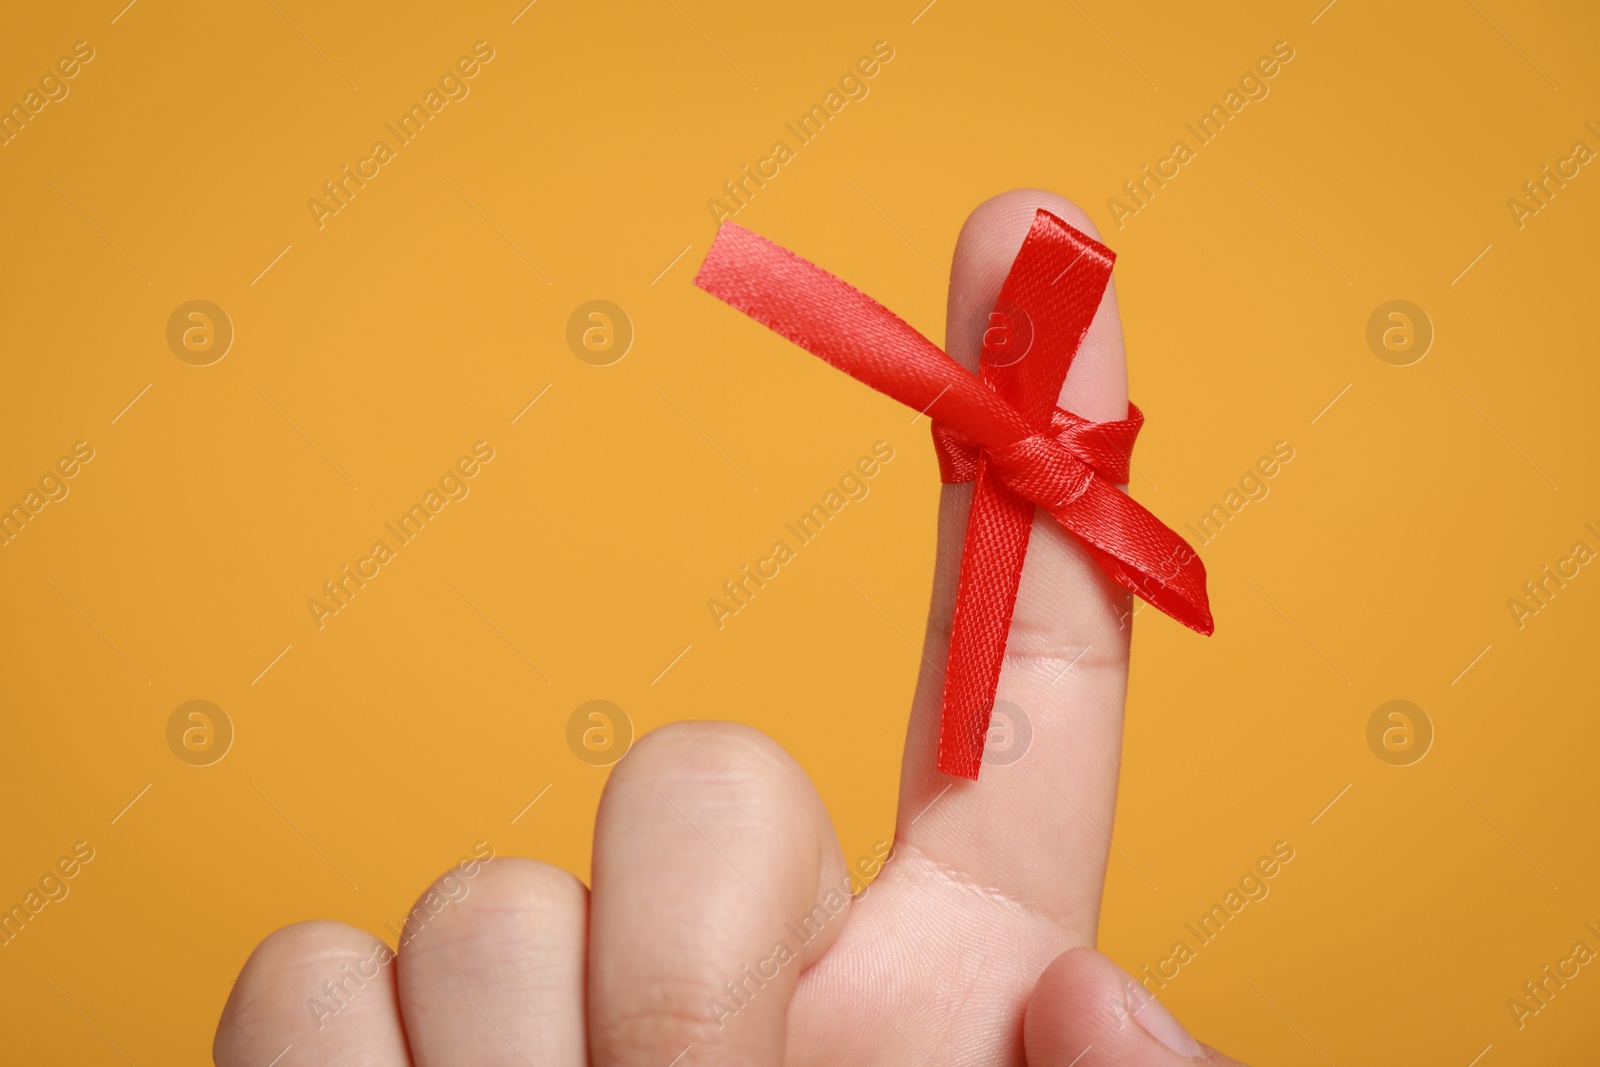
(1097, 385)
(988, 242)
(1009, 215)
(324, 987)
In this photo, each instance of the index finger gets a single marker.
(1036, 825)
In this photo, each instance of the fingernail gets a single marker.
(1158, 1022)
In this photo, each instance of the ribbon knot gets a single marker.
(1040, 469)
(1071, 444)
(1000, 429)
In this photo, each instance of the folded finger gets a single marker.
(717, 878)
(491, 967)
(321, 991)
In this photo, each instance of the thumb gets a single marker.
(1087, 1012)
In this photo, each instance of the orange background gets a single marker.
(371, 353)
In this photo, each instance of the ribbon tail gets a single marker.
(848, 329)
(998, 529)
(1140, 553)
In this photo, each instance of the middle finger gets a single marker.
(717, 879)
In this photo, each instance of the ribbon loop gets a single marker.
(1105, 446)
(1001, 429)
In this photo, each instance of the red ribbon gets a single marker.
(1001, 428)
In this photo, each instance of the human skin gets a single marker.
(973, 947)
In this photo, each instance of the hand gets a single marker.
(719, 930)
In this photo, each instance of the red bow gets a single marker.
(1001, 428)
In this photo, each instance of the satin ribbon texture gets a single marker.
(1000, 428)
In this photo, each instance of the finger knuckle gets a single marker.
(296, 943)
(713, 751)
